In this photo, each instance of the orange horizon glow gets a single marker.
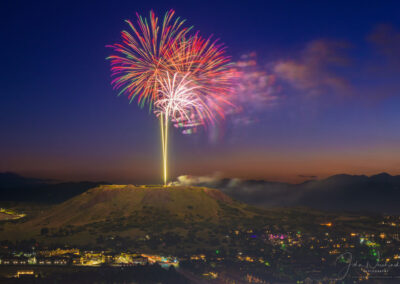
(252, 164)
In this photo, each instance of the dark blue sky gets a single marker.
(335, 98)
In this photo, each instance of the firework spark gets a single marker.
(144, 55)
(179, 99)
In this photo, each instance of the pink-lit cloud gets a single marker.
(314, 70)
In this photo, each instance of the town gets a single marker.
(254, 254)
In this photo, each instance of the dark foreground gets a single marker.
(52, 274)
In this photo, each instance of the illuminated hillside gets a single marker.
(146, 203)
(173, 219)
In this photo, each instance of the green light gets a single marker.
(217, 251)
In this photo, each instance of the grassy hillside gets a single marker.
(133, 215)
(161, 219)
(124, 201)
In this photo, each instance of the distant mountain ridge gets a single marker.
(343, 192)
(377, 193)
(12, 180)
(14, 187)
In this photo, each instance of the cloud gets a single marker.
(261, 193)
(386, 39)
(315, 71)
(323, 72)
(308, 176)
(382, 68)
(187, 180)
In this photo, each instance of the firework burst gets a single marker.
(144, 54)
(184, 78)
(179, 100)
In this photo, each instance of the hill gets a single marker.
(173, 219)
(124, 201)
(131, 216)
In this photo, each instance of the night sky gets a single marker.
(331, 106)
